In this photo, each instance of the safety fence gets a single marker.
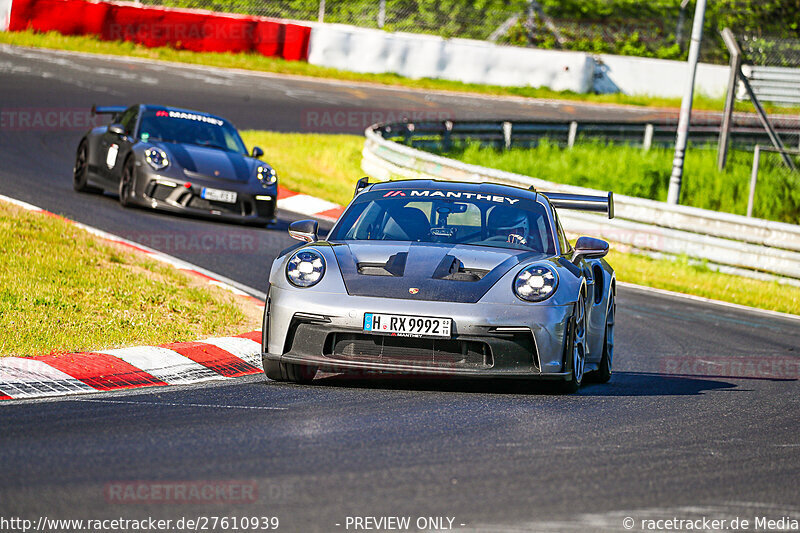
(657, 29)
(731, 243)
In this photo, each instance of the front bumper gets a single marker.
(326, 330)
(167, 193)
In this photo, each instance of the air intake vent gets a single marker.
(408, 350)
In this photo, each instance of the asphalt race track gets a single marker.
(683, 429)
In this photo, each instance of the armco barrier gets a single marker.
(747, 132)
(753, 247)
(195, 30)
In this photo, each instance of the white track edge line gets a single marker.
(702, 299)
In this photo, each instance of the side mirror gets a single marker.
(116, 129)
(257, 152)
(304, 230)
(361, 185)
(589, 248)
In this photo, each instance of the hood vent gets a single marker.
(452, 269)
(395, 266)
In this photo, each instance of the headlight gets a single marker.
(535, 283)
(305, 268)
(267, 176)
(156, 158)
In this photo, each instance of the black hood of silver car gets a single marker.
(425, 271)
(210, 163)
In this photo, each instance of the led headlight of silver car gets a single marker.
(535, 283)
(267, 176)
(305, 268)
(156, 158)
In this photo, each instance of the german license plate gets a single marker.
(218, 195)
(410, 326)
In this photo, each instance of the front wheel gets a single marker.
(290, 372)
(80, 172)
(576, 348)
(126, 184)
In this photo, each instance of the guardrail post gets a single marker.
(573, 132)
(507, 126)
(753, 179)
(648, 137)
(447, 140)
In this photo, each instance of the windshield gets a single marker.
(190, 128)
(452, 217)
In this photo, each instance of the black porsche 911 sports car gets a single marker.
(176, 160)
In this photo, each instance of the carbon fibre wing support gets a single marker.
(108, 109)
(582, 202)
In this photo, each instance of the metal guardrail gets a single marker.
(443, 135)
(780, 85)
(753, 247)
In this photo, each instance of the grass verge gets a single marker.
(327, 166)
(90, 44)
(680, 276)
(632, 171)
(64, 290)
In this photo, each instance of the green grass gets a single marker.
(328, 166)
(256, 62)
(681, 276)
(631, 171)
(63, 290)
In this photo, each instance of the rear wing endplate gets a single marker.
(107, 109)
(582, 202)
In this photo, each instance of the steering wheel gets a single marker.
(496, 238)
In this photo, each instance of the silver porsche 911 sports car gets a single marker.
(176, 160)
(444, 278)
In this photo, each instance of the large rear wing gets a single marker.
(108, 109)
(582, 202)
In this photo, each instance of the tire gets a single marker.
(603, 373)
(80, 172)
(292, 373)
(575, 348)
(126, 183)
